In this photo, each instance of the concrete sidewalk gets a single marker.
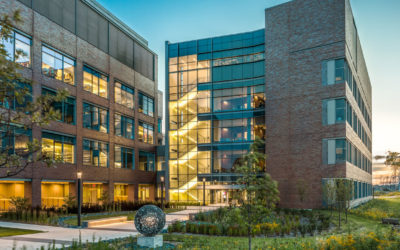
(65, 236)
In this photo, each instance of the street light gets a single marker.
(162, 192)
(79, 177)
(204, 191)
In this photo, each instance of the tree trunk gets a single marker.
(340, 208)
(346, 212)
(248, 225)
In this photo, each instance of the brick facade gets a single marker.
(44, 31)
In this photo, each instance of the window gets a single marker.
(66, 107)
(59, 147)
(124, 126)
(159, 124)
(95, 118)
(95, 153)
(144, 192)
(14, 140)
(334, 151)
(245, 129)
(54, 193)
(124, 157)
(146, 133)
(92, 193)
(244, 98)
(124, 95)
(146, 161)
(11, 101)
(58, 66)
(95, 82)
(120, 192)
(334, 111)
(225, 160)
(18, 49)
(146, 105)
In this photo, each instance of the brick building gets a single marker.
(109, 126)
(315, 98)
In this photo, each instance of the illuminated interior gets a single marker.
(54, 193)
(92, 192)
(10, 189)
(144, 192)
(185, 130)
(120, 192)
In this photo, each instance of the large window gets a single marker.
(95, 82)
(58, 66)
(54, 194)
(124, 126)
(11, 101)
(66, 108)
(334, 151)
(59, 147)
(146, 133)
(334, 111)
(95, 153)
(95, 118)
(144, 192)
(245, 129)
(225, 161)
(239, 98)
(18, 49)
(92, 192)
(14, 140)
(120, 192)
(124, 157)
(146, 161)
(124, 95)
(146, 105)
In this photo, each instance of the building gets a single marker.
(301, 83)
(109, 125)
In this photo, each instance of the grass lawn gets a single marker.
(131, 216)
(7, 231)
(380, 208)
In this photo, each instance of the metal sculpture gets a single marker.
(149, 220)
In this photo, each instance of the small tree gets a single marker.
(19, 111)
(259, 193)
(329, 193)
(69, 202)
(302, 188)
(392, 160)
(344, 195)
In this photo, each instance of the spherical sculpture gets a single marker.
(149, 220)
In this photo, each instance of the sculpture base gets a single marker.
(150, 242)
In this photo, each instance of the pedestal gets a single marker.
(150, 242)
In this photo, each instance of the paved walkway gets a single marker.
(65, 236)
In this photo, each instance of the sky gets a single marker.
(378, 24)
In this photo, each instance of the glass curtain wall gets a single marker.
(186, 131)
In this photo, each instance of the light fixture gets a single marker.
(79, 175)
(204, 179)
(162, 178)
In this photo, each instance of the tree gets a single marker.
(344, 195)
(329, 193)
(259, 193)
(20, 112)
(302, 187)
(392, 159)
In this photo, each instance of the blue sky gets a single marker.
(378, 24)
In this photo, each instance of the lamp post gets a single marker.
(162, 192)
(204, 191)
(79, 177)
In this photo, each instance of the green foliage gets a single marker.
(26, 114)
(259, 193)
(392, 159)
(19, 203)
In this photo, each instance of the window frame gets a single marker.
(63, 57)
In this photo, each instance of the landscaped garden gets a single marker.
(67, 215)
